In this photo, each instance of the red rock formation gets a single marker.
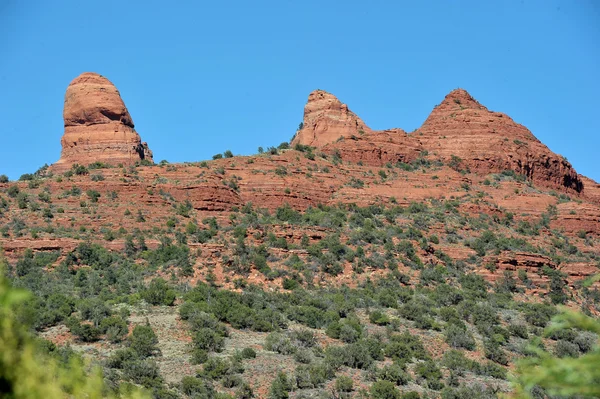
(459, 130)
(98, 127)
(488, 141)
(326, 119)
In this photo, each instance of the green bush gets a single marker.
(197, 387)
(143, 341)
(159, 293)
(208, 340)
(344, 384)
(248, 353)
(379, 318)
(458, 337)
(384, 390)
(280, 387)
(216, 368)
(393, 373)
(29, 371)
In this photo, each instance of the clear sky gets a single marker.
(201, 77)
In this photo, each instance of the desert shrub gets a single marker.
(494, 352)
(115, 328)
(216, 368)
(13, 191)
(518, 330)
(404, 347)
(248, 353)
(143, 341)
(159, 293)
(379, 318)
(244, 391)
(199, 356)
(586, 341)
(208, 340)
(303, 356)
(458, 337)
(143, 372)
(456, 361)
(279, 343)
(566, 349)
(344, 384)
(492, 369)
(357, 355)
(538, 314)
(280, 387)
(467, 392)
(431, 373)
(84, 331)
(197, 387)
(393, 373)
(311, 376)
(119, 358)
(348, 330)
(384, 390)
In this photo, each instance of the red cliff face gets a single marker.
(326, 119)
(488, 141)
(98, 127)
(459, 131)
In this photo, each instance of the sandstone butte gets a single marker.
(98, 127)
(459, 131)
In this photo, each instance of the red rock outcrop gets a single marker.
(487, 141)
(98, 127)
(459, 131)
(326, 119)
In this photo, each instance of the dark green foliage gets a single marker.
(379, 318)
(384, 390)
(404, 347)
(197, 387)
(114, 327)
(208, 340)
(79, 170)
(393, 373)
(494, 352)
(280, 387)
(248, 353)
(457, 336)
(84, 331)
(143, 341)
(170, 255)
(344, 384)
(216, 368)
(13, 191)
(565, 348)
(431, 373)
(159, 293)
(93, 195)
(286, 213)
(143, 372)
(538, 314)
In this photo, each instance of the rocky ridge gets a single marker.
(459, 131)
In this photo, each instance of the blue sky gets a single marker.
(201, 77)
